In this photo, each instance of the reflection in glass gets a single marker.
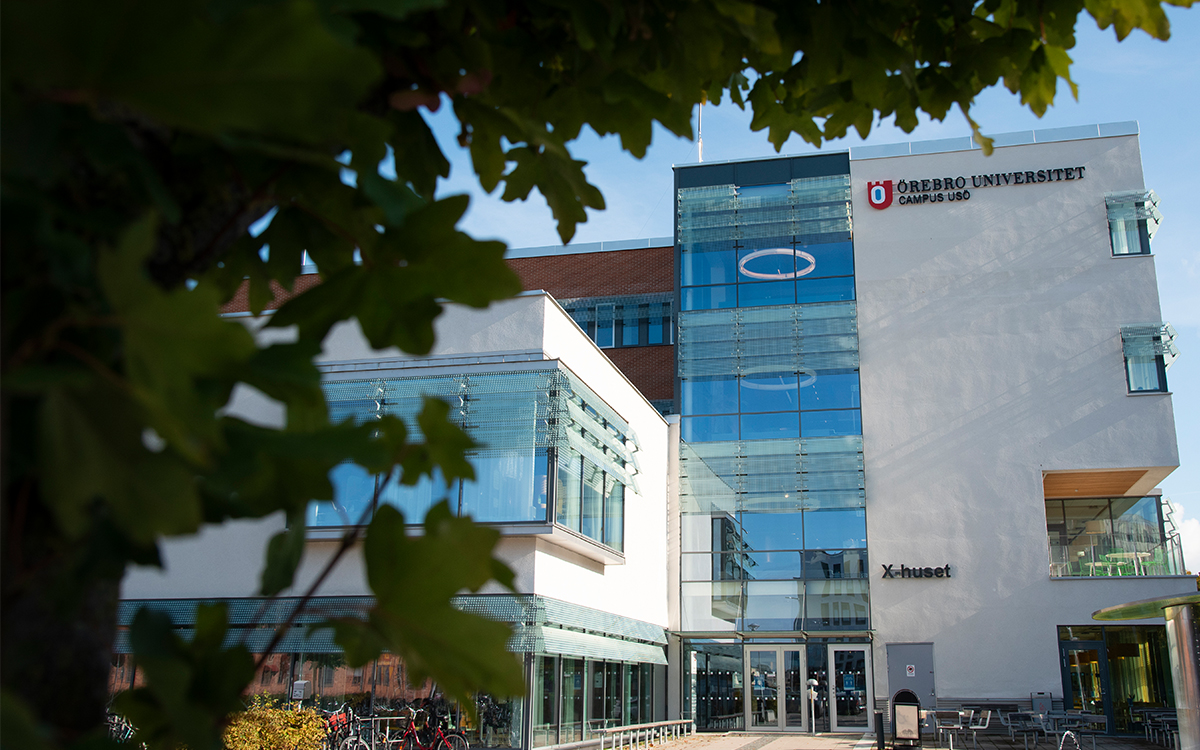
(835, 529)
(761, 393)
(830, 389)
(571, 727)
(834, 423)
(713, 267)
(763, 531)
(765, 293)
(764, 689)
(568, 493)
(545, 701)
(770, 426)
(713, 679)
(708, 429)
(708, 395)
(774, 605)
(708, 297)
(835, 564)
(833, 259)
(824, 290)
(850, 688)
(836, 605)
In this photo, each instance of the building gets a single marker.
(922, 409)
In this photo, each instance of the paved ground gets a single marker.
(747, 741)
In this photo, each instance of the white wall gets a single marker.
(227, 560)
(991, 351)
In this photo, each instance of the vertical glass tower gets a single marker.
(773, 526)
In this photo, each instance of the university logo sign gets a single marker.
(879, 194)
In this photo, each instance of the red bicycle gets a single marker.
(423, 734)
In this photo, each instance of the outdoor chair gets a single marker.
(947, 722)
(979, 725)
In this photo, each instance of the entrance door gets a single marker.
(910, 667)
(849, 694)
(1085, 678)
(775, 688)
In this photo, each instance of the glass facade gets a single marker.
(774, 526)
(575, 697)
(1116, 671)
(550, 452)
(1121, 536)
(628, 320)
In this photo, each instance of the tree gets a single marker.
(141, 139)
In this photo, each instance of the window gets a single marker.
(1133, 218)
(635, 320)
(548, 451)
(1119, 536)
(1149, 350)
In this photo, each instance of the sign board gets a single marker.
(910, 670)
(301, 690)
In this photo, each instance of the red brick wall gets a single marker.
(650, 368)
(599, 274)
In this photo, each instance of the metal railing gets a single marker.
(636, 734)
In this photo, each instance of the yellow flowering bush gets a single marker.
(264, 726)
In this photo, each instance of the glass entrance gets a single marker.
(775, 688)
(850, 676)
(1085, 677)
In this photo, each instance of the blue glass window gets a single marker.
(835, 529)
(831, 259)
(568, 492)
(764, 566)
(709, 429)
(770, 426)
(708, 395)
(767, 293)
(831, 423)
(824, 290)
(353, 489)
(712, 267)
(763, 531)
(630, 328)
(769, 393)
(708, 297)
(614, 513)
(503, 487)
(655, 331)
(830, 389)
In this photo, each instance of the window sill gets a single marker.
(1133, 255)
(1148, 393)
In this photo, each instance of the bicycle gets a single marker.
(439, 738)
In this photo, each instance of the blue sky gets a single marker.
(1155, 83)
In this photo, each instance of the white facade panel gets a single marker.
(989, 334)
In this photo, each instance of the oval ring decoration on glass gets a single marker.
(806, 378)
(812, 264)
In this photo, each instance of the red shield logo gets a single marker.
(879, 194)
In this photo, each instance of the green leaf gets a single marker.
(414, 580)
(172, 342)
(90, 447)
(18, 726)
(190, 687)
(272, 69)
(284, 552)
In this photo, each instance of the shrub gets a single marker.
(265, 727)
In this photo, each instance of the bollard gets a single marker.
(879, 729)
